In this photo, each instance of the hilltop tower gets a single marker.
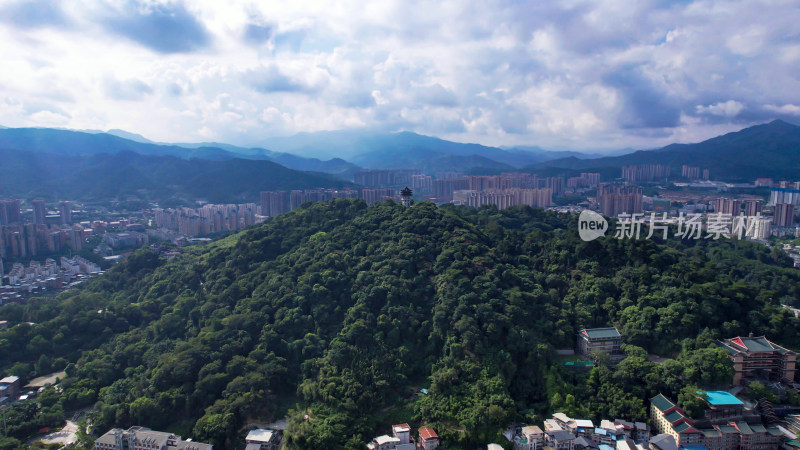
(405, 197)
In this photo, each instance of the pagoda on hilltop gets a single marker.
(405, 196)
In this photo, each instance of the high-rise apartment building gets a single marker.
(727, 206)
(784, 215)
(616, 199)
(753, 207)
(39, 212)
(65, 211)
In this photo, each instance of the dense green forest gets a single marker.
(336, 313)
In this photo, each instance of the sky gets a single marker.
(594, 74)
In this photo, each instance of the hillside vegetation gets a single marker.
(338, 311)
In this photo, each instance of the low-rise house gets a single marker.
(399, 440)
(9, 387)
(384, 442)
(530, 438)
(263, 439)
(582, 443)
(641, 432)
(552, 425)
(628, 444)
(560, 440)
(428, 439)
(663, 442)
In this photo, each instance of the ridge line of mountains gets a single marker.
(94, 165)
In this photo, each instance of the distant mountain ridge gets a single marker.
(92, 142)
(768, 150)
(377, 150)
(104, 176)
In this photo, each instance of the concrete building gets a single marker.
(753, 207)
(65, 211)
(399, 440)
(758, 357)
(530, 438)
(141, 438)
(616, 199)
(782, 194)
(9, 387)
(592, 341)
(715, 434)
(263, 439)
(663, 442)
(730, 206)
(671, 420)
(784, 215)
(560, 440)
(39, 212)
(428, 439)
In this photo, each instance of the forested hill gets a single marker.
(339, 311)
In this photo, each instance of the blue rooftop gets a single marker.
(722, 398)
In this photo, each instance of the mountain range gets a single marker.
(167, 179)
(767, 150)
(92, 142)
(94, 165)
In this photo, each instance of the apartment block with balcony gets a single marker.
(758, 357)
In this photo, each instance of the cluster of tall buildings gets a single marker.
(586, 180)
(645, 172)
(207, 219)
(422, 184)
(787, 193)
(24, 240)
(279, 202)
(504, 198)
(385, 178)
(444, 188)
(694, 173)
(29, 240)
(616, 199)
(783, 212)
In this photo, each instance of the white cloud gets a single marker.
(784, 109)
(731, 108)
(604, 73)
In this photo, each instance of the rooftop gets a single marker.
(259, 435)
(664, 442)
(662, 403)
(531, 430)
(722, 398)
(401, 428)
(684, 427)
(381, 440)
(428, 433)
(748, 344)
(601, 333)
